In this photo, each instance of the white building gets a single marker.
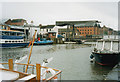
(32, 31)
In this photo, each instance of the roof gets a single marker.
(78, 23)
(47, 27)
(17, 20)
(17, 27)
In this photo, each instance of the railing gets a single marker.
(38, 69)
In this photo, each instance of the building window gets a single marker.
(82, 32)
(88, 30)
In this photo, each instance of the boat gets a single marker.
(43, 42)
(12, 38)
(106, 52)
(37, 73)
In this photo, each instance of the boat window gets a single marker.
(99, 45)
(18, 41)
(107, 45)
(15, 41)
(6, 33)
(12, 33)
(20, 34)
(3, 33)
(6, 41)
(12, 41)
(9, 41)
(115, 46)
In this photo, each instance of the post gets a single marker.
(30, 51)
(38, 71)
(73, 32)
(111, 45)
(10, 63)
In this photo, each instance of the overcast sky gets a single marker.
(49, 12)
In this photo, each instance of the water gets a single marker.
(72, 59)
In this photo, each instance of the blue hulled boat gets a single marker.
(44, 42)
(12, 38)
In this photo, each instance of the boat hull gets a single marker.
(107, 58)
(13, 45)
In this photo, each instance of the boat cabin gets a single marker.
(109, 45)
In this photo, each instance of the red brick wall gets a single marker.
(86, 31)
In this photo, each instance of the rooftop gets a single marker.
(47, 27)
(78, 23)
(17, 20)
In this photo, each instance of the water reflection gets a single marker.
(100, 71)
(13, 53)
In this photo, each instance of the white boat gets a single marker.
(12, 38)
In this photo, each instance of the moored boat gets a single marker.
(106, 52)
(43, 42)
(12, 38)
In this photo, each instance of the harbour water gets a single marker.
(72, 59)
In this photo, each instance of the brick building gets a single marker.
(16, 22)
(85, 29)
(108, 31)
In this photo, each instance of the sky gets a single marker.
(49, 12)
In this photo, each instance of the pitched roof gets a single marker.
(78, 23)
(17, 20)
(47, 27)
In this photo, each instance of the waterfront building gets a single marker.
(84, 29)
(32, 29)
(50, 31)
(46, 28)
(108, 31)
(51, 34)
(16, 22)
